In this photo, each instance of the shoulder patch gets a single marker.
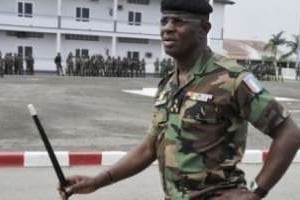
(252, 83)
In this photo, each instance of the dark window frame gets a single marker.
(82, 14)
(25, 9)
(134, 18)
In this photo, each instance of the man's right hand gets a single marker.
(77, 185)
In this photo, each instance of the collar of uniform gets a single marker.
(203, 64)
(198, 69)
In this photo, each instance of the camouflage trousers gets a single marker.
(209, 194)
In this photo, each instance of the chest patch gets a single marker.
(199, 96)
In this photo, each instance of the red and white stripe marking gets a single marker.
(68, 159)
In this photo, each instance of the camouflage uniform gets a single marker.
(30, 65)
(201, 126)
(1, 65)
(298, 72)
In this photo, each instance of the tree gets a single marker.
(274, 42)
(293, 45)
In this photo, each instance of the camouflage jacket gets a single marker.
(201, 126)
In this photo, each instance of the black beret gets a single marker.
(193, 6)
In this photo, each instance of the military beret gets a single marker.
(193, 6)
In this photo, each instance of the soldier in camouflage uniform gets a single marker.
(57, 61)
(199, 127)
(298, 72)
(70, 64)
(156, 66)
(1, 66)
(30, 65)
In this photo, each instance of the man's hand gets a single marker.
(236, 194)
(77, 185)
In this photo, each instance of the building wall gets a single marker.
(98, 47)
(43, 48)
(101, 23)
(98, 9)
(216, 33)
(150, 17)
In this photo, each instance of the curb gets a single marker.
(105, 158)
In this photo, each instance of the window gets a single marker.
(133, 40)
(81, 37)
(134, 18)
(82, 53)
(25, 51)
(144, 2)
(25, 9)
(82, 14)
(22, 34)
(133, 55)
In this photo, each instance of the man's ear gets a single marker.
(206, 26)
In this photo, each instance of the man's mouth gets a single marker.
(169, 41)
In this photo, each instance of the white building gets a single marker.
(108, 27)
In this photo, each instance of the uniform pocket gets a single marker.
(203, 130)
(198, 111)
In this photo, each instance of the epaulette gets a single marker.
(233, 68)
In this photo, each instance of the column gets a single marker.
(59, 13)
(58, 34)
(114, 44)
(58, 42)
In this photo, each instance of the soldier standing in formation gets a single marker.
(1, 66)
(29, 65)
(70, 64)
(57, 61)
(156, 66)
(298, 72)
(200, 118)
(279, 73)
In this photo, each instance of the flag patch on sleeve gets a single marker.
(252, 83)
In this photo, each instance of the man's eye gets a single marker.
(175, 20)
(164, 21)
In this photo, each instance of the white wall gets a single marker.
(43, 48)
(94, 47)
(98, 9)
(150, 18)
(217, 21)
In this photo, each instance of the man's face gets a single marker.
(182, 33)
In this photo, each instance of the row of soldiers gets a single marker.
(266, 72)
(14, 64)
(97, 65)
(163, 67)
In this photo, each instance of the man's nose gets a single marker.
(168, 26)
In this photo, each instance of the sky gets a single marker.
(259, 19)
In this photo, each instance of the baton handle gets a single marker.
(62, 180)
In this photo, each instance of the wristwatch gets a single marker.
(253, 187)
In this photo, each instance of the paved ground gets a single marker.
(92, 113)
(40, 184)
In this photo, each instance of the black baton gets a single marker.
(62, 180)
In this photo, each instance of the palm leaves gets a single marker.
(274, 42)
(293, 45)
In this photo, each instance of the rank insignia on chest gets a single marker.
(252, 83)
(160, 102)
(199, 96)
(162, 99)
